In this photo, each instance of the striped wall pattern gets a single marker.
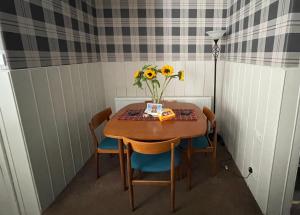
(55, 105)
(250, 109)
(44, 33)
(263, 32)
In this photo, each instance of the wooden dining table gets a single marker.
(154, 130)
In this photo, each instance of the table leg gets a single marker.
(122, 163)
(189, 163)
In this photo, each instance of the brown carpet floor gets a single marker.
(225, 193)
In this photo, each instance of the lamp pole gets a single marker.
(215, 52)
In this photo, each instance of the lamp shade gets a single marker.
(216, 35)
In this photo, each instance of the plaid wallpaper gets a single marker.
(53, 32)
(263, 32)
(158, 30)
(43, 33)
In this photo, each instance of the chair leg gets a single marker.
(173, 185)
(97, 166)
(130, 187)
(214, 163)
(122, 163)
(189, 164)
(129, 177)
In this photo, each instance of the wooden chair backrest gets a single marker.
(96, 121)
(151, 147)
(100, 117)
(210, 117)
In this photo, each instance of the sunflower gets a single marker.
(181, 75)
(150, 74)
(136, 74)
(167, 70)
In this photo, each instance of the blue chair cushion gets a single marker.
(154, 163)
(197, 142)
(108, 143)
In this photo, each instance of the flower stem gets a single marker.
(149, 88)
(167, 83)
(156, 91)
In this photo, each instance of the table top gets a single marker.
(156, 130)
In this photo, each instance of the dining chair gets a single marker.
(202, 144)
(152, 157)
(107, 145)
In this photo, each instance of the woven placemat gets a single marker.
(138, 115)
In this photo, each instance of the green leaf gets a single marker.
(155, 81)
(138, 83)
(146, 66)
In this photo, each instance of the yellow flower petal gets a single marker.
(181, 75)
(167, 70)
(136, 74)
(150, 74)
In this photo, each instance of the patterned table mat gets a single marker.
(137, 115)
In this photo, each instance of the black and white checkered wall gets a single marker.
(263, 32)
(53, 32)
(158, 30)
(43, 32)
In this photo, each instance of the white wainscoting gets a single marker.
(251, 101)
(286, 156)
(17, 185)
(118, 79)
(55, 105)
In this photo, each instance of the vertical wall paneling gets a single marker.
(79, 89)
(9, 202)
(71, 115)
(247, 102)
(129, 71)
(33, 134)
(99, 85)
(219, 87)
(270, 133)
(239, 109)
(257, 152)
(58, 101)
(90, 78)
(251, 99)
(49, 131)
(208, 79)
(287, 145)
(91, 74)
(108, 81)
(56, 92)
(119, 79)
(193, 86)
(14, 144)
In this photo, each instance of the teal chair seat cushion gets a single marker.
(154, 163)
(108, 143)
(197, 142)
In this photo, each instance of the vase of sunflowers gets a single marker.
(149, 74)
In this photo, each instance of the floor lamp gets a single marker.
(216, 36)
